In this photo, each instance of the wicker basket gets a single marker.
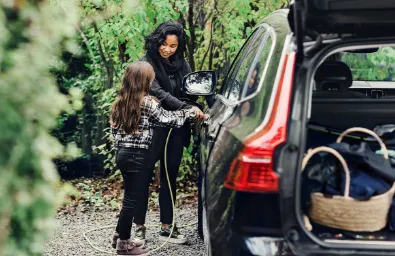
(345, 212)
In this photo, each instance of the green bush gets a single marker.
(33, 34)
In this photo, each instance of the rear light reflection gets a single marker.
(253, 170)
(252, 176)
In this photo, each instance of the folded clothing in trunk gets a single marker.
(364, 158)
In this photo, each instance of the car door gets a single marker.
(218, 144)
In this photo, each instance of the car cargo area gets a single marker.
(356, 205)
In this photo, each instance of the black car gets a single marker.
(292, 86)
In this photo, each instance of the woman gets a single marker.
(165, 52)
(133, 116)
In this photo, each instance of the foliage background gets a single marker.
(61, 63)
(33, 34)
(112, 35)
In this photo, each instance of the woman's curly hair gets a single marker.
(154, 40)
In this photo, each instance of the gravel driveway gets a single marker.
(68, 238)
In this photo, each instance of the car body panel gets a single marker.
(221, 140)
(241, 221)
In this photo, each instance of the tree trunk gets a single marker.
(192, 44)
(100, 122)
(109, 67)
(209, 44)
(108, 64)
(211, 56)
(86, 135)
(190, 40)
(122, 48)
(5, 229)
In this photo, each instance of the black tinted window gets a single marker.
(234, 86)
(247, 70)
(375, 66)
(256, 71)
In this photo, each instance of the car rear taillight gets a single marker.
(253, 170)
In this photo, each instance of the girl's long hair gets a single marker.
(126, 111)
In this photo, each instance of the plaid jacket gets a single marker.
(152, 114)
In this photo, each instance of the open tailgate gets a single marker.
(361, 18)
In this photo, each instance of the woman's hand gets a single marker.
(199, 113)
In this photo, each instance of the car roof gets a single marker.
(278, 20)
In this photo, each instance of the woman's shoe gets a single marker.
(128, 247)
(139, 234)
(175, 238)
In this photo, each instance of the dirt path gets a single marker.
(68, 238)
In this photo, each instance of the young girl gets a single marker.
(133, 117)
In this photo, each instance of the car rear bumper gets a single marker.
(263, 246)
(257, 215)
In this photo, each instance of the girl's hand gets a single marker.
(199, 113)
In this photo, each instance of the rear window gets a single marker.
(376, 66)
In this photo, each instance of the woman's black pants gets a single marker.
(175, 150)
